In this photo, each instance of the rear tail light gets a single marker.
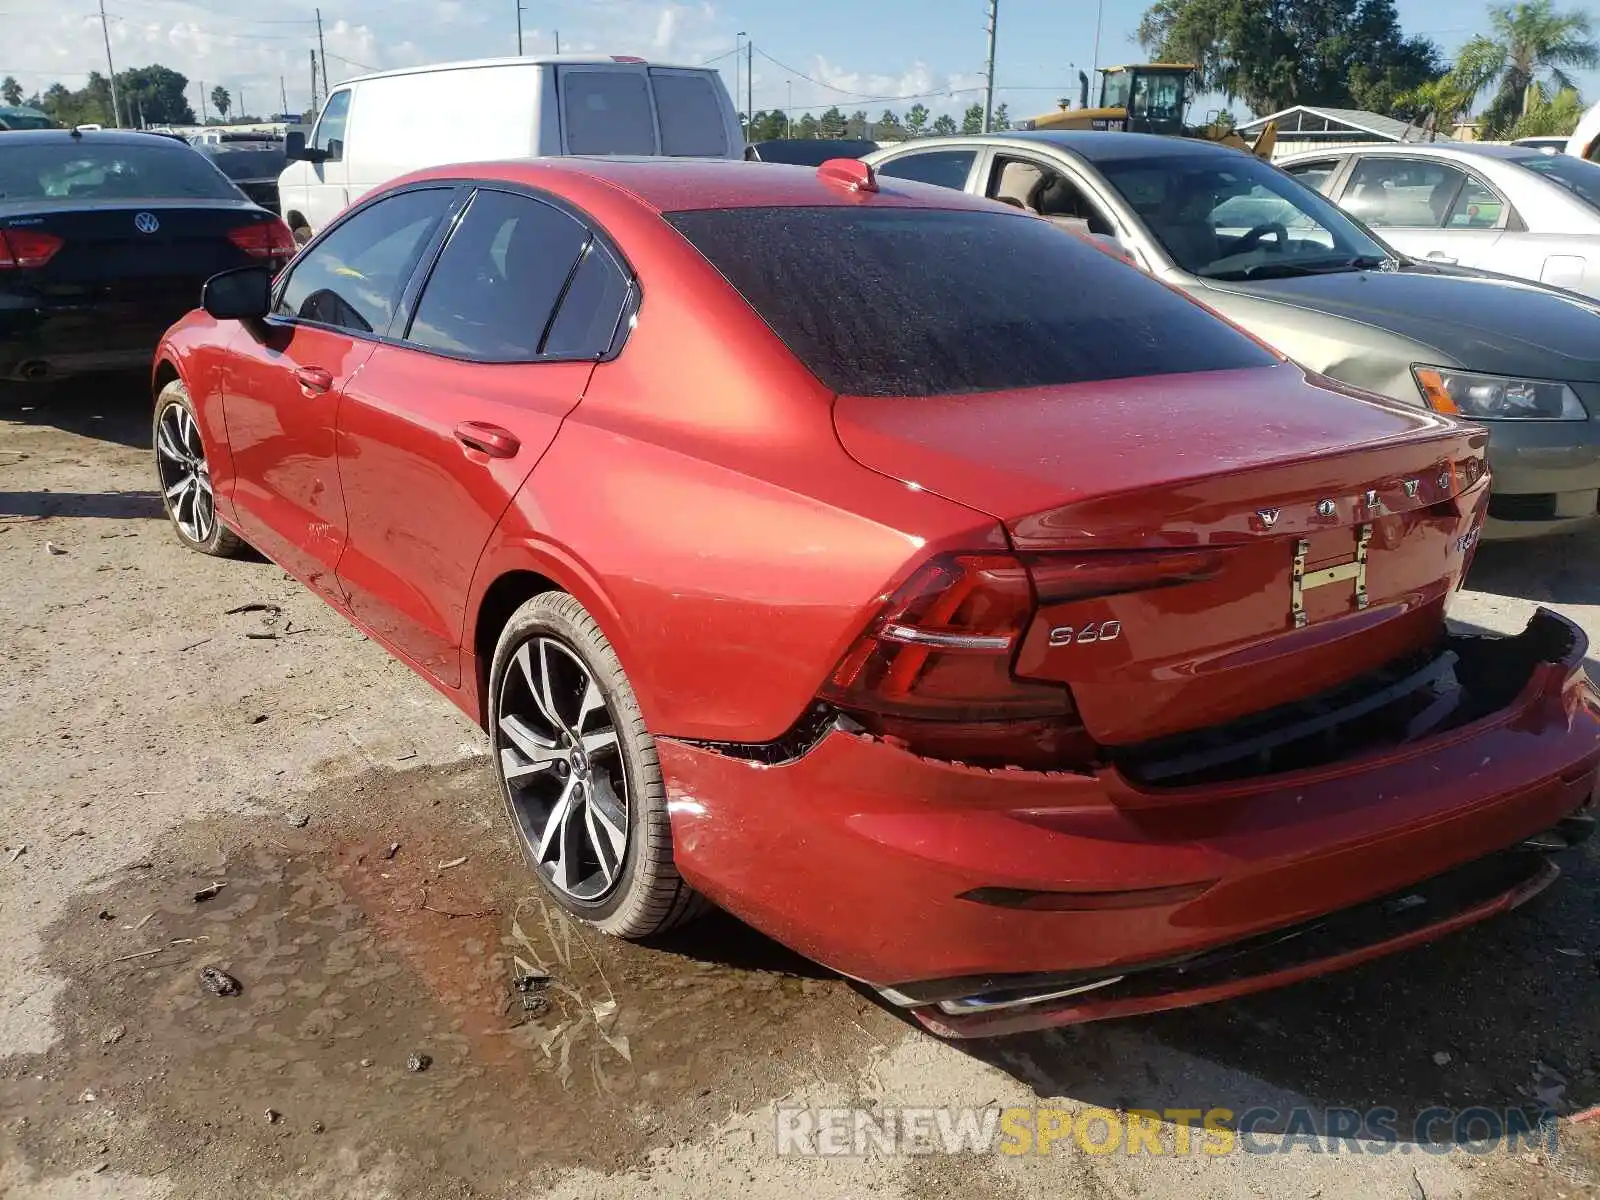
(935, 669)
(264, 239)
(23, 249)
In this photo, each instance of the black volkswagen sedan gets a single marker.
(105, 239)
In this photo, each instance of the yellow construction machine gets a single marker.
(1147, 98)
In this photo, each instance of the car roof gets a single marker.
(560, 60)
(1511, 153)
(679, 184)
(1087, 143)
(116, 137)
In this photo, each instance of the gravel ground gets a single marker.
(298, 811)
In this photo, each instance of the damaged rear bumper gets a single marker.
(994, 901)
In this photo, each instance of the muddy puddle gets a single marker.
(397, 929)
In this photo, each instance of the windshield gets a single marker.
(1158, 96)
(1235, 217)
(74, 168)
(1577, 175)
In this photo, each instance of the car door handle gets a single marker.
(313, 380)
(1439, 256)
(488, 439)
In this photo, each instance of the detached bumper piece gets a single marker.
(965, 1008)
(1465, 679)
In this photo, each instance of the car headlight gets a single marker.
(1496, 397)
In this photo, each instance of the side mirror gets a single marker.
(296, 150)
(243, 294)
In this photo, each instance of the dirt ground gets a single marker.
(270, 795)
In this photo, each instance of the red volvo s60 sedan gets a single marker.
(940, 595)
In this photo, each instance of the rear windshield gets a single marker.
(1577, 175)
(923, 302)
(81, 169)
(247, 161)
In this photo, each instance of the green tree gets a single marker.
(888, 128)
(769, 125)
(11, 90)
(1002, 118)
(1437, 104)
(1549, 117)
(859, 125)
(1274, 54)
(831, 123)
(88, 105)
(807, 127)
(945, 125)
(1524, 58)
(156, 93)
(221, 101)
(917, 120)
(972, 119)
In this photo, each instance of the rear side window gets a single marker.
(497, 281)
(352, 278)
(942, 168)
(587, 323)
(690, 115)
(607, 112)
(151, 168)
(921, 302)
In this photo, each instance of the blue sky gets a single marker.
(832, 51)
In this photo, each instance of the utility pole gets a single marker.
(314, 108)
(283, 96)
(988, 79)
(788, 112)
(105, 32)
(205, 118)
(558, 41)
(242, 109)
(750, 83)
(737, 38)
(519, 28)
(1099, 11)
(323, 50)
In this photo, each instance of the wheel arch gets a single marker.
(166, 371)
(507, 593)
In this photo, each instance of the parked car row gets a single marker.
(1010, 570)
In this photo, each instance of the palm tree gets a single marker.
(221, 101)
(1525, 59)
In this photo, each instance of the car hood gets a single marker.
(1481, 322)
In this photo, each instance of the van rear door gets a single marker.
(607, 108)
(629, 107)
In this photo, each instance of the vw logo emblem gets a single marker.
(146, 222)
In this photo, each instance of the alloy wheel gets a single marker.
(562, 761)
(185, 476)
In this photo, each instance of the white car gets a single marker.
(377, 127)
(1514, 210)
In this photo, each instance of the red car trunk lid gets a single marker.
(1340, 524)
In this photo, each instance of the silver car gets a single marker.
(1278, 259)
(1513, 209)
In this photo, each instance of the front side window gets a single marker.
(942, 168)
(1231, 216)
(926, 302)
(690, 113)
(352, 278)
(607, 112)
(1402, 193)
(329, 135)
(491, 294)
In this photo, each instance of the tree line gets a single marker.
(152, 95)
(1276, 54)
(772, 124)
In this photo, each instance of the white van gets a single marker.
(377, 127)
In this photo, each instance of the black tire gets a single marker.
(200, 535)
(645, 895)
